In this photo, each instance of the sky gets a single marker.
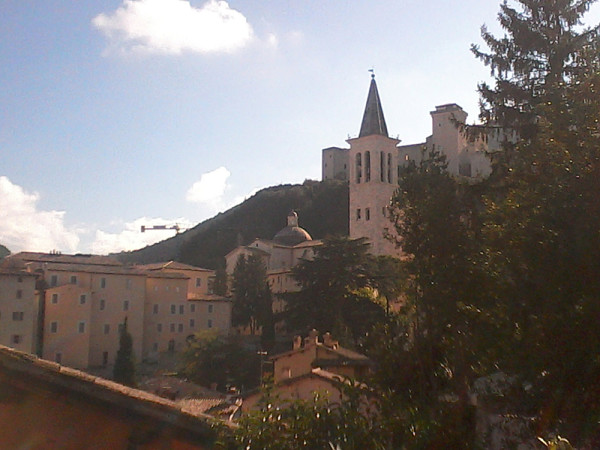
(121, 113)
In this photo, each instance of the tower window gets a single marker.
(358, 214)
(367, 214)
(367, 166)
(389, 167)
(358, 167)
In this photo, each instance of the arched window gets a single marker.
(358, 167)
(389, 167)
(367, 166)
(382, 166)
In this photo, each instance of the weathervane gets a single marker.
(372, 70)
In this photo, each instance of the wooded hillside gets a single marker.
(322, 208)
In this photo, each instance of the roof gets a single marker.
(172, 265)
(16, 273)
(78, 383)
(65, 259)
(94, 268)
(292, 234)
(343, 354)
(373, 121)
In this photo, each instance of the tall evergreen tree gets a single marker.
(124, 369)
(336, 291)
(252, 299)
(541, 226)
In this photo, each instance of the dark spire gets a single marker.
(373, 121)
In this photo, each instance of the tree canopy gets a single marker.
(124, 369)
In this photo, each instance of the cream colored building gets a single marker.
(84, 300)
(311, 367)
(288, 247)
(179, 303)
(19, 309)
(374, 160)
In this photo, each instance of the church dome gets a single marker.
(292, 234)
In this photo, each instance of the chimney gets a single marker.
(297, 342)
(328, 341)
(312, 339)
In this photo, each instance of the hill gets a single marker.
(4, 251)
(322, 207)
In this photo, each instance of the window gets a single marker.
(192, 308)
(180, 328)
(53, 327)
(173, 309)
(172, 328)
(102, 283)
(172, 345)
(159, 327)
(73, 279)
(211, 284)
(58, 357)
(383, 208)
(181, 309)
(54, 299)
(16, 339)
(104, 359)
(389, 167)
(106, 328)
(128, 283)
(198, 282)
(53, 280)
(155, 288)
(155, 309)
(192, 323)
(176, 288)
(102, 304)
(155, 347)
(210, 308)
(367, 166)
(209, 323)
(167, 288)
(19, 293)
(382, 166)
(19, 279)
(81, 327)
(367, 214)
(82, 299)
(125, 305)
(358, 214)
(358, 167)
(18, 316)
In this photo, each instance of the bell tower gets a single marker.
(373, 177)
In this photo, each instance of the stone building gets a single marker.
(373, 162)
(75, 316)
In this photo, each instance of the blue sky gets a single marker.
(118, 113)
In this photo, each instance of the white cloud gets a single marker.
(131, 236)
(210, 189)
(175, 26)
(24, 227)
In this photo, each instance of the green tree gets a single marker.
(336, 291)
(220, 283)
(124, 369)
(317, 424)
(542, 214)
(252, 298)
(224, 360)
(432, 350)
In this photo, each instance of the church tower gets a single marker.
(373, 177)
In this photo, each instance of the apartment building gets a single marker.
(19, 310)
(83, 301)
